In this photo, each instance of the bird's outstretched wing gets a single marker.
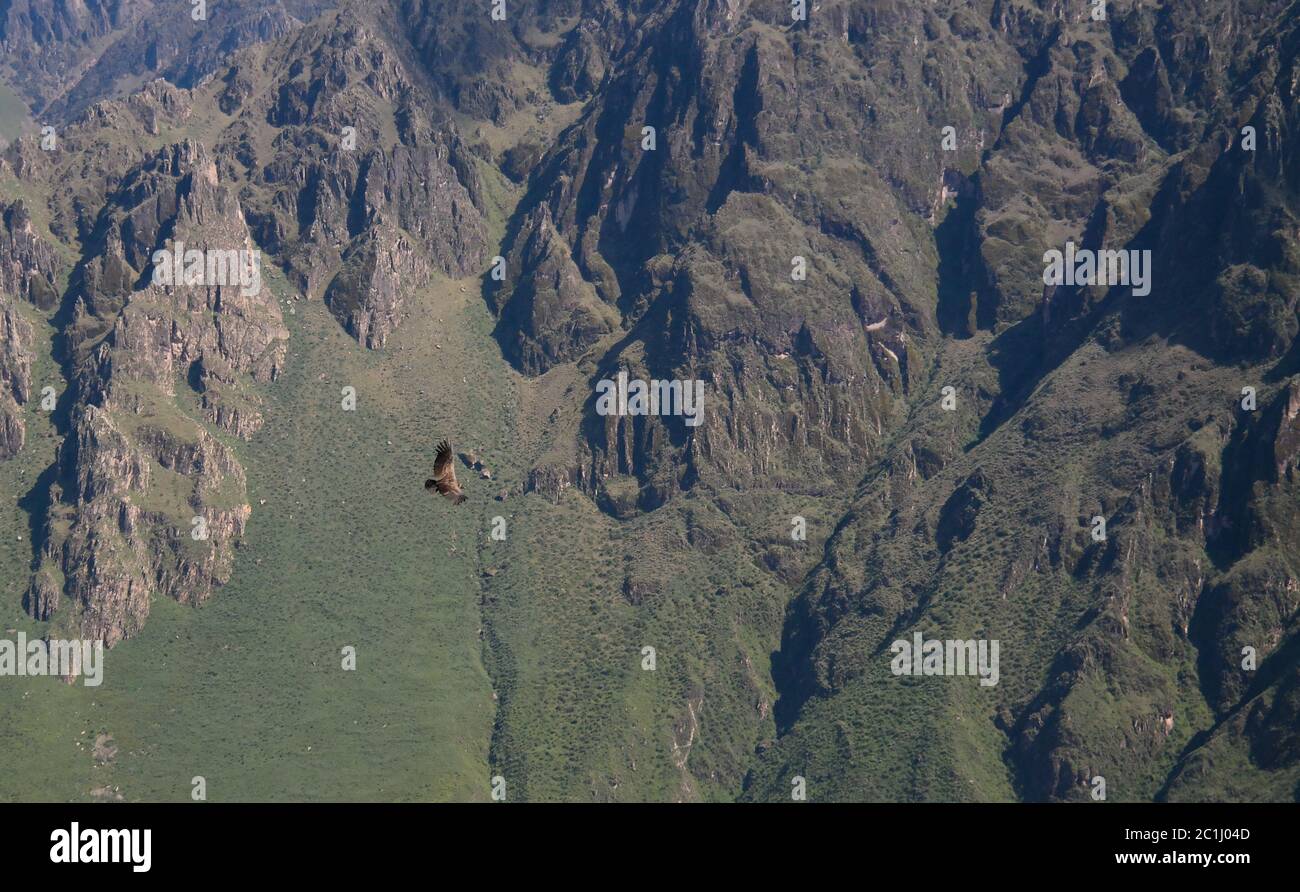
(444, 476)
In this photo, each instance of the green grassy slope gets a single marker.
(248, 691)
(14, 116)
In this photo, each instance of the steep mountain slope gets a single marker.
(1127, 652)
(836, 224)
(63, 57)
(1109, 165)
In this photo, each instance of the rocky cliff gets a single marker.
(359, 197)
(1095, 402)
(15, 375)
(839, 226)
(64, 57)
(27, 274)
(147, 500)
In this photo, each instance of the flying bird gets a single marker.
(444, 476)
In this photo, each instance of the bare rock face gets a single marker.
(27, 272)
(360, 198)
(155, 503)
(43, 40)
(89, 157)
(555, 315)
(803, 295)
(150, 513)
(379, 270)
(470, 58)
(66, 56)
(213, 311)
(15, 376)
(27, 264)
(429, 192)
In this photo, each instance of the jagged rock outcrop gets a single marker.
(65, 57)
(471, 60)
(27, 273)
(379, 270)
(1092, 401)
(149, 513)
(555, 314)
(149, 501)
(45, 40)
(728, 263)
(15, 375)
(958, 515)
(27, 262)
(361, 199)
(89, 156)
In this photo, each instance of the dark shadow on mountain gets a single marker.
(963, 286)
